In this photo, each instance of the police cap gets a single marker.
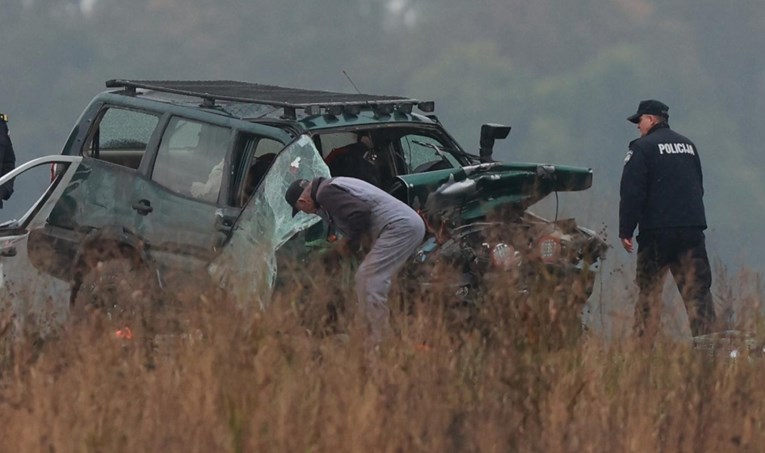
(293, 193)
(650, 107)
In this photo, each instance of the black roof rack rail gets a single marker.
(290, 99)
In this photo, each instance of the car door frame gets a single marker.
(224, 214)
(35, 218)
(224, 210)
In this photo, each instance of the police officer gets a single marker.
(662, 195)
(7, 158)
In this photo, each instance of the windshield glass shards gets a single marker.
(247, 264)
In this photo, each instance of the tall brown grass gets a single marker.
(296, 377)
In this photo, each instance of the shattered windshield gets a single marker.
(247, 264)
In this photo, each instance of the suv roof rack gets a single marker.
(290, 99)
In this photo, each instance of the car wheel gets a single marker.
(118, 292)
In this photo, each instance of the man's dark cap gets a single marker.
(650, 107)
(293, 193)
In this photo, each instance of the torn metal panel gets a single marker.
(246, 267)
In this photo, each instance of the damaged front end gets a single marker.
(480, 230)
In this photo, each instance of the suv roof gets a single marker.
(312, 102)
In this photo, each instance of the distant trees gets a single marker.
(563, 74)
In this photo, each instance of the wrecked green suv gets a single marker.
(183, 178)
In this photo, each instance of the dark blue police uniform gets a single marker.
(662, 195)
(7, 159)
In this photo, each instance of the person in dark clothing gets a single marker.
(363, 213)
(7, 159)
(662, 194)
(351, 160)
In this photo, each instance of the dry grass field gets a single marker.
(288, 379)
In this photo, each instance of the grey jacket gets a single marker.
(356, 208)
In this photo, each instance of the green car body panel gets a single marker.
(496, 185)
(120, 199)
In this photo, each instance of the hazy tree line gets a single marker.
(564, 74)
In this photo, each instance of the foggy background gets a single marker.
(564, 75)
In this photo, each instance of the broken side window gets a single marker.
(423, 153)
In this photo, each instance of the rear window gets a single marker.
(121, 136)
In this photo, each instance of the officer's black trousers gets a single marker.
(683, 252)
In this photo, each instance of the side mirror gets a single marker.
(489, 133)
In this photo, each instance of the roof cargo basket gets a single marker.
(311, 102)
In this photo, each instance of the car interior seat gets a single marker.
(255, 175)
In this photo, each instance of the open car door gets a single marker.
(24, 290)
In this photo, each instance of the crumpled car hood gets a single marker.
(479, 189)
